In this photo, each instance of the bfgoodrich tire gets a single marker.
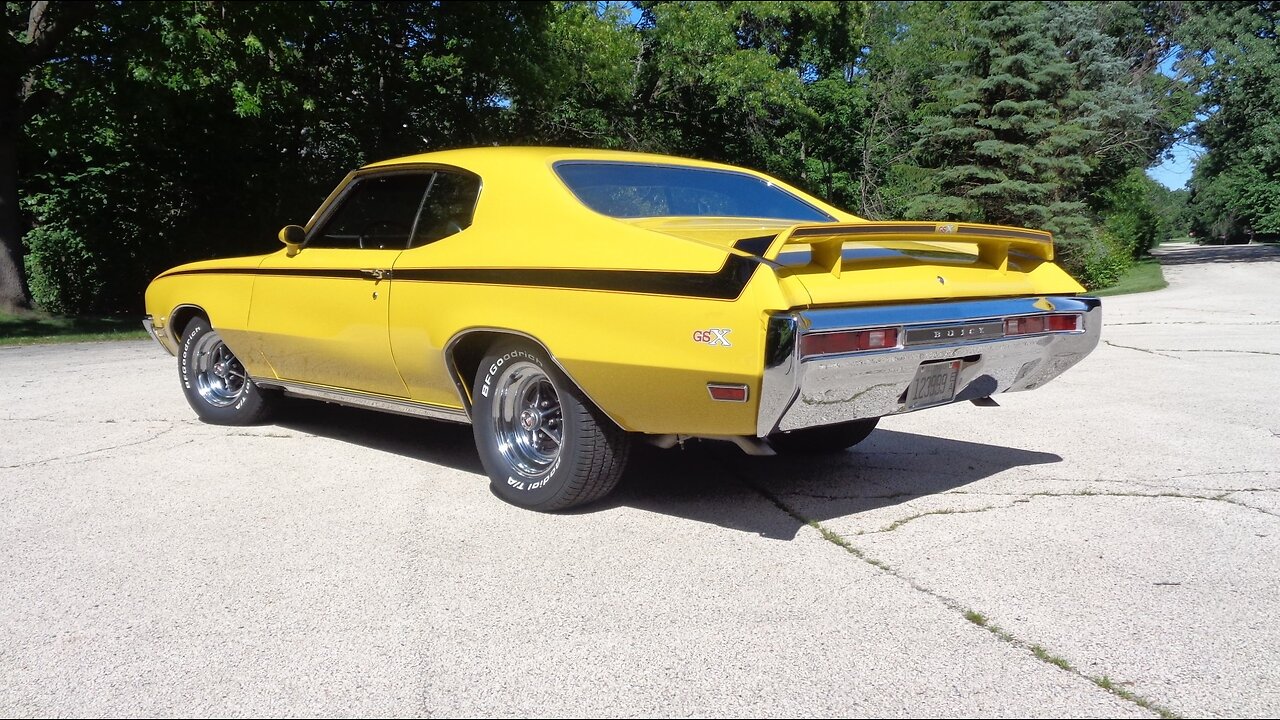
(825, 439)
(543, 444)
(215, 383)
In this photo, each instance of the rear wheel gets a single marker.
(543, 444)
(825, 439)
(215, 383)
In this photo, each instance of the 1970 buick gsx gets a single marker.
(567, 302)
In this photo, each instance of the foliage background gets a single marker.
(162, 132)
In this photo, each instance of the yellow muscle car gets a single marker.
(568, 302)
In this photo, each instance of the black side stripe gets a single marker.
(755, 245)
(727, 283)
(855, 230)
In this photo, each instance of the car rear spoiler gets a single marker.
(993, 241)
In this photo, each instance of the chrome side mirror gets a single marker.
(293, 236)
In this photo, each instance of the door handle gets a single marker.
(376, 275)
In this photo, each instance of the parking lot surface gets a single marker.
(1106, 545)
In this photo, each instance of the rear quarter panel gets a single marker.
(634, 354)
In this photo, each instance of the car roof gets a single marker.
(480, 159)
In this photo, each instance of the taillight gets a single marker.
(847, 341)
(1034, 324)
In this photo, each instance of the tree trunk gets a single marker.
(18, 64)
(14, 294)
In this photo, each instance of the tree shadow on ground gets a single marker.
(1200, 255)
(36, 325)
(710, 482)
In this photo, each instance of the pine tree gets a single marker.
(1024, 128)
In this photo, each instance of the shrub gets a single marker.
(1097, 259)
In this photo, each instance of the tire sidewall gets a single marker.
(507, 482)
(247, 405)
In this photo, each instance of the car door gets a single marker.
(320, 316)
(425, 312)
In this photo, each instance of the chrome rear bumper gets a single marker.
(801, 392)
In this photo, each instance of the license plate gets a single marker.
(935, 384)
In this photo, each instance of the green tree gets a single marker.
(159, 132)
(744, 82)
(1233, 51)
(1025, 124)
(180, 131)
(34, 34)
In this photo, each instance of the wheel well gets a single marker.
(183, 315)
(466, 352)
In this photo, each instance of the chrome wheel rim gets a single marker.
(220, 378)
(527, 419)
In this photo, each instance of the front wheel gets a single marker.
(543, 444)
(825, 439)
(215, 383)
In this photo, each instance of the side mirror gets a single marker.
(293, 236)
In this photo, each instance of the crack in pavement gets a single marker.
(1160, 484)
(1163, 352)
(1241, 352)
(60, 458)
(1037, 651)
(1220, 497)
(1193, 322)
(896, 524)
(1220, 472)
(1130, 347)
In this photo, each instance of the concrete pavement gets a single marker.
(1117, 529)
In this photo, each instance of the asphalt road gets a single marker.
(1119, 527)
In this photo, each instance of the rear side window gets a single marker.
(448, 207)
(635, 190)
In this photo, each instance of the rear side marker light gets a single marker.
(835, 343)
(727, 392)
(1035, 324)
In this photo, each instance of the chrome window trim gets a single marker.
(555, 170)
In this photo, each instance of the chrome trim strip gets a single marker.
(872, 316)
(921, 335)
(820, 390)
(366, 400)
(157, 334)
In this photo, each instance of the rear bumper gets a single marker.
(801, 392)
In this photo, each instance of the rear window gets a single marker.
(635, 190)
